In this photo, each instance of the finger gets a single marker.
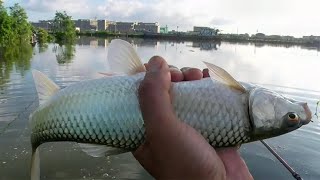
(206, 73)
(154, 96)
(191, 74)
(176, 74)
(234, 164)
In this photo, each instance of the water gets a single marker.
(292, 71)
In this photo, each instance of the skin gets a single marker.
(174, 150)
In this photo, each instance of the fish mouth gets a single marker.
(308, 114)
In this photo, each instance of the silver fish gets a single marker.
(104, 113)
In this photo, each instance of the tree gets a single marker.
(21, 26)
(14, 27)
(42, 35)
(6, 33)
(64, 27)
(15, 48)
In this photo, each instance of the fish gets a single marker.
(103, 115)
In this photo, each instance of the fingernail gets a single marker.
(154, 64)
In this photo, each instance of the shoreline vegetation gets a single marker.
(258, 38)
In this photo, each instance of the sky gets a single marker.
(283, 17)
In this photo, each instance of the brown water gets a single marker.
(292, 71)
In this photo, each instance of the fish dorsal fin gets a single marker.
(100, 150)
(45, 87)
(219, 74)
(123, 58)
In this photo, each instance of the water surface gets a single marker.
(292, 71)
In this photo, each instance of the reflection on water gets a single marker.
(287, 70)
(14, 58)
(65, 53)
(205, 45)
(42, 47)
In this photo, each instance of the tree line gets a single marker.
(16, 33)
(14, 25)
(16, 30)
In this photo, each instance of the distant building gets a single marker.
(288, 38)
(94, 23)
(311, 38)
(274, 37)
(147, 27)
(259, 35)
(47, 25)
(164, 29)
(204, 31)
(102, 25)
(85, 25)
(244, 36)
(110, 26)
(121, 27)
(172, 32)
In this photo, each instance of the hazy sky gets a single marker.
(285, 17)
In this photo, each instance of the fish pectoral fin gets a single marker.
(45, 87)
(221, 75)
(100, 150)
(123, 58)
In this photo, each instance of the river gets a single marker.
(290, 70)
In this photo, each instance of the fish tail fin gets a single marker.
(123, 58)
(35, 164)
(45, 87)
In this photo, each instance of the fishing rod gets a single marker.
(283, 162)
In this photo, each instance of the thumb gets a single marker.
(154, 95)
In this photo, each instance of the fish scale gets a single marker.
(106, 111)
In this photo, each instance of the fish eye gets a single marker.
(293, 117)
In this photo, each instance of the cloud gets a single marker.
(182, 13)
(221, 21)
(172, 13)
(271, 17)
(50, 6)
(121, 8)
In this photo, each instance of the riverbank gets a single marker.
(283, 40)
(294, 41)
(160, 36)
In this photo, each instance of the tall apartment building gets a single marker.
(204, 31)
(45, 24)
(85, 25)
(147, 27)
(121, 27)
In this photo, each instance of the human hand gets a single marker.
(174, 150)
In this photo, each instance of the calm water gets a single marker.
(292, 71)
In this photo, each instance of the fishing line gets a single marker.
(283, 162)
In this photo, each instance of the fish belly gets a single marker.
(106, 111)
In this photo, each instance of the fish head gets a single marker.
(272, 114)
